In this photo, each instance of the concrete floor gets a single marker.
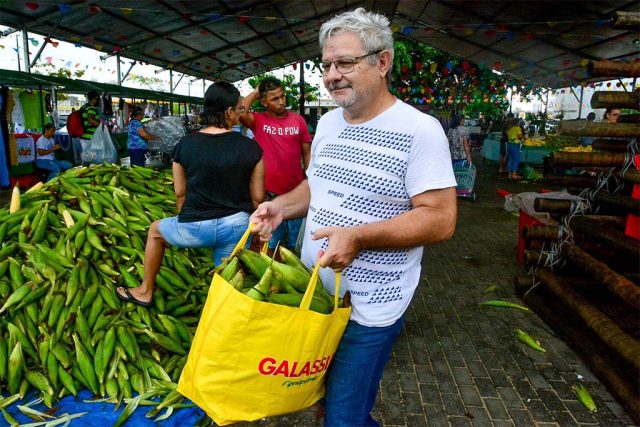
(457, 363)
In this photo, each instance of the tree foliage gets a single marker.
(49, 69)
(423, 75)
(291, 90)
(151, 83)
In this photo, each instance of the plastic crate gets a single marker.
(524, 221)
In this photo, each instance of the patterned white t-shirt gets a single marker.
(365, 173)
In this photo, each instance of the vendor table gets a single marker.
(528, 155)
(533, 155)
(491, 147)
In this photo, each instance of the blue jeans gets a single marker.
(137, 156)
(78, 144)
(355, 372)
(513, 157)
(286, 233)
(220, 234)
(53, 166)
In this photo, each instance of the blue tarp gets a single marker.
(102, 414)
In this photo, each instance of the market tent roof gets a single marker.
(544, 41)
(35, 81)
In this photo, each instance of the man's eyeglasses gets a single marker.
(345, 65)
(241, 108)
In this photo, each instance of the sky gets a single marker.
(67, 55)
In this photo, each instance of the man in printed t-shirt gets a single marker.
(380, 187)
(286, 144)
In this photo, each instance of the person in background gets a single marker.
(503, 144)
(218, 178)
(46, 148)
(586, 141)
(458, 137)
(312, 131)
(90, 116)
(286, 143)
(611, 115)
(514, 141)
(380, 187)
(138, 137)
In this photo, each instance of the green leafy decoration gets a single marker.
(423, 75)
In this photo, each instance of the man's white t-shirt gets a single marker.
(365, 173)
(45, 143)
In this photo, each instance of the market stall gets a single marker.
(29, 116)
(586, 256)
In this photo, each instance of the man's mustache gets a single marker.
(336, 86)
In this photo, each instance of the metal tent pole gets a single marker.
(118, 70)
(301, 86)
(25, 46)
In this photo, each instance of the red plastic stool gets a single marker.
(25, 181)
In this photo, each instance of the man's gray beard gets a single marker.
(346, 102)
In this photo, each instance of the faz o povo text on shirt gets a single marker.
(273, 130)
(293, 369)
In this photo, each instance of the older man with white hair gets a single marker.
(380, 187)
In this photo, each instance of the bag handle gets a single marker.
(243, 240)
(311, 287)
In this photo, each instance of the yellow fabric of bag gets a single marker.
(251, 359)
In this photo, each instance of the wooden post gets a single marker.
(613, 371)
(610, 233)
(533, 258)
(624, 344)
(613, 69)
(629, 118)
(621, 202)
(586, 128)
(631, 174)
(617, 284)
(571, 181)
(617, 99)
(607, 144)
(540, 233)
(626, 21)
(597, 159)
(562, 206)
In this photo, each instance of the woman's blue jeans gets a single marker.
(355, 373)
(53, 166)
(513, 157)
(220, 234)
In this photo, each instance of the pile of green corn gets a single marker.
(64, 248)
(265, 279)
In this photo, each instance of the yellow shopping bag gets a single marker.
(251, 359)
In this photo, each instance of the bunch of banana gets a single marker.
(556, 142)
(64, 248)
(534, 142)
(578, 149)
(265, 279)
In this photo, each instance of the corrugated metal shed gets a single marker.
(544, 41)
(34, 81)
